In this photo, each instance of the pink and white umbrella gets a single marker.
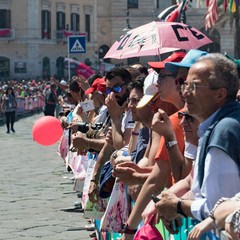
(155, 38)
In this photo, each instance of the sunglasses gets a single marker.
(115, 89)
(161, 77)
(180, 81)
(187, 117)
(133, 101)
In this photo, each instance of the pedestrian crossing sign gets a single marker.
(77, 44)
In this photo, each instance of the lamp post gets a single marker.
(127, 27)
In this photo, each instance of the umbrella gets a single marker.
(155, 38)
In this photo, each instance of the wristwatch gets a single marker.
(126, 229)
(179, 209)
(170, 144)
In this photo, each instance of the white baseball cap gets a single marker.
(150, 89)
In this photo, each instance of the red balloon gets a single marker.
(47, 130)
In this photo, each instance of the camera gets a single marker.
(83, 127)
(97, 126)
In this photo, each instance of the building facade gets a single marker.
(33, 40)
(33, 36)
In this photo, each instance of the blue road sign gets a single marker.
(76, 44)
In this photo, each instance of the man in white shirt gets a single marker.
(210, 92)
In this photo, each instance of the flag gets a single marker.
(175, 15)
(225, 4)
(212, 14)
(233, 6)
(165, 13)
(78, 67)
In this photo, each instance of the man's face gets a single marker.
(134, 97)
(96, 98)
(118, 83)
(169, 84)
(199, 97)
(166, 85)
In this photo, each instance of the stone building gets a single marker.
(112, 20)
(33, 36)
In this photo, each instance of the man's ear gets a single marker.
(221, 94)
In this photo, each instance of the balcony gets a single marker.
(62, 35)
(7, 33)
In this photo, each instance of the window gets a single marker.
(46, 68)
(157, 3)
(5, 18)
(103, 49)
(87, 27)
(75, 22)
(60, 20)
(60, 24)
(46, 24)
(132, 4)
(4, 67)
(60, 67)
(20, 67)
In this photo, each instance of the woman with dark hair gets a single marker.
(9, 106)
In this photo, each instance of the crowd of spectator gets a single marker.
(164, 136)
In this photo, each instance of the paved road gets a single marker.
(31, 189)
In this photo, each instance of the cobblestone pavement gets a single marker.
(33, 189)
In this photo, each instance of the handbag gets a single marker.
(92, 210)
(148, 232)
(63, 146)
(79, 168)
(118, 209)
(106, 180)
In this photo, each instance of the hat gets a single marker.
(190, 58)
(99, 84)
(149, 90)
(237, 61)
(63, 82)
(175, 57)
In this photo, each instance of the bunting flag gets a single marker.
(4, 32)
(67, 33)
(233, 6)
(212, 14)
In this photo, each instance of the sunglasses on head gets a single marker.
(188, 117)
(115, 89)
(180, 81)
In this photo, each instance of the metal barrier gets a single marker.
(25, 106)
(29, 104)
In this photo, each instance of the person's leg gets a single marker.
(12, 120)
(7, 114)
